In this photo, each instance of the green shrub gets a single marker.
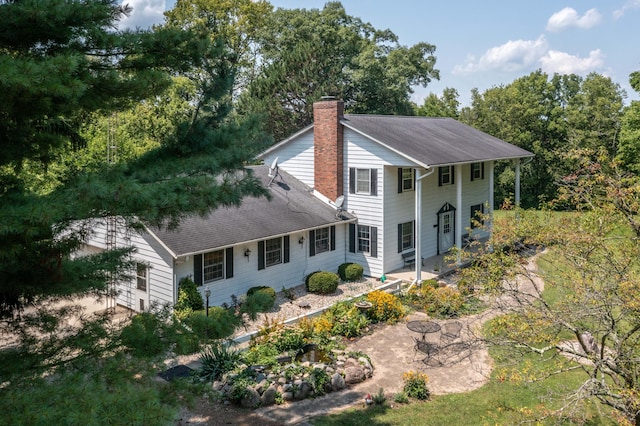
(188, 296)
(323, 282)
(259, 299)
(307, 278)
(343, 319)
(216, 360)
(415, 385)
(350, 272)
(220, 323)
(401, 398)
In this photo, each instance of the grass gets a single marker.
(501, 401)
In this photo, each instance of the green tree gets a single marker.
(584, 314)
(307, 54)
(445, 106)
(61, 62)
(629, 145)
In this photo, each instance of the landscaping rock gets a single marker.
(269, 396)
(287, 396)
(251, 398)
(354, 375)
(302, 391)
(337, 382)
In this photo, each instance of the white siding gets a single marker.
(160, 275)
(284, 275)
(296, 157)
(361, 152)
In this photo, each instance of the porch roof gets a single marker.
(292, 208)
(433, 141)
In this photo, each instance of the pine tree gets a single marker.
(62, 60)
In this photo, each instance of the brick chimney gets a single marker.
(328, 147)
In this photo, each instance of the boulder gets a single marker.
(269, 396)
(303, 390)
(337, 382)
(354, 375)
(251, 398)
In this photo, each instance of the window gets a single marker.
(141, 277)
(477, 216)
(363, 239)
(405, 179)
(322, 240)
(213, 266)
(477, 171)
(406, 239)
(273, 252)
(445, 175)
(363, 181)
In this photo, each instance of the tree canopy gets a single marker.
(61, 62)
(305, 54)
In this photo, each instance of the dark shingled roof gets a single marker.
(292, 208)
(433, 141)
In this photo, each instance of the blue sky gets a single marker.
(487, 43)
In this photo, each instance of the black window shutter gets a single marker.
(439, 176)
(453, 174)
(471, 167)
(260, 255)
(332, 236)
(352, 180)
(482, 170)
(399, 180)
(374, 181)
(374, 241)
(286, 249)
(197, 269)
(399, 237)
(312, 243)
(352, 237)
(229, 262)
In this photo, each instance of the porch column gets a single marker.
(458, 227)
(491, 197)
(418, 216)
(517, 188)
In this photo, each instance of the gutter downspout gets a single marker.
(418, 215)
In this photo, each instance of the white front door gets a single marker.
(445, 231)
(141, 291)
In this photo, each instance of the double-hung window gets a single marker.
(363, 181)
(213, 266)
(406, 239)
(477, 171)
(477, 216)
(141, 276)
(273, 252)
(405, 179)
(322, 242)
(363, 239)
(445, 175)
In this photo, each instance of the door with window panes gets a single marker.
(141, 292)
(446, 228)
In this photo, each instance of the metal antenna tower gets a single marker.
(111, 237)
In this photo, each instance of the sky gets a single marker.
(482, 44)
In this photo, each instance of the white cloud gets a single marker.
(145, 14)
(629, 5)
(564, 63)
(568, 17)
(514, 55)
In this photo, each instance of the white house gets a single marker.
(349, 188)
